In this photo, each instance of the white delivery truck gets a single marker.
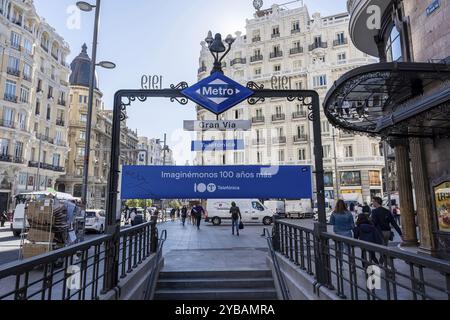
(277, 207)
(252, 211)
(301, 209)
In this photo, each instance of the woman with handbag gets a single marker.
(236, 218)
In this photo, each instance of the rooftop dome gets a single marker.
(81, 69)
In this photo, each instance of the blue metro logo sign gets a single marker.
(217, 93)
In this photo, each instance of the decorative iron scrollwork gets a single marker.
(254, 86)
(182, 101)
(181, 86)
(255, 100)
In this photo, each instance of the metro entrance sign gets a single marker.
(217, 93)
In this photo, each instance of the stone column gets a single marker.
(405, 192)
(423, 197)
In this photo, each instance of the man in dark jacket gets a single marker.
(198, 211)
(366, 209)
(235, 217)
(383, 219)
(366, 231)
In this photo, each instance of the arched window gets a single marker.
(394, 46)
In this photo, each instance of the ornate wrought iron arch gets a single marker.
(124, 98)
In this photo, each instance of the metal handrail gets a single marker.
(161, 240)
(280, 277)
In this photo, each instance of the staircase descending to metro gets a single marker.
(216, 285)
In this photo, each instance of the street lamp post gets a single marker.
(84, 6)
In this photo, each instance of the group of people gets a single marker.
(374, 226)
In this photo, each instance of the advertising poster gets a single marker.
(442, 202)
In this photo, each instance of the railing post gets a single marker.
(276, 236)
(154, 235)
(321, 256)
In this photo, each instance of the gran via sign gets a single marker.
(224, 125)
(217, 93)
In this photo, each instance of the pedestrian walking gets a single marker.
(3, 218)
(236, 217)
(198, 211)
(193, 218)
(172, 214)
(183, 215)
(359, 209)
(366, 209)
(343, 224)
(342, 220)
(366, 231)
(396, 214)
(383, 219)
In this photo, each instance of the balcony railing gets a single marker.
(294, 31)
(60, 122)
(202, 69)
(259, 142)
(277, 54)
(258, 119)
(5, 158)
(10, 98)
(299, 115)
(296, 50)
(275, 35)
(13, 72)
(27, 77)
(7, 123)
(256, 39)
(50, 96)
(45, 166)
(279, 117)
(15, 46)
(343, 135)
(340, 42)
(279, 140)
(318, 45)
(64, 83)
(301, 138)
(238, 61)
(256, 58)
(45, 138)
(62, 102)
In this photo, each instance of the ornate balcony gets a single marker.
(275, 35)
(296, 50)
(277, 54)
(256, 58)
(315, 46)
(259, 142)
(258, 120)
(238, 61)
(299, 115)
(10, 98)
(300, 138)
(294, 31)
(340, 42)
(13, 72)
(279, 140)
(256, 39)
(278, 117)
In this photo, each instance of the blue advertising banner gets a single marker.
(217, 145)
(216, 182)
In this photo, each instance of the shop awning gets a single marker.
(387, 99)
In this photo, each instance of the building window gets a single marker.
(276, 31)
(24, 94)
(259, 157)
(277, 68)
(80, 151)
(259, 113)
(320, 81)
(49, 113)
(257, 71)
(279, 111)
(340, 38)
(296, 26)
(27, 71)
(297, 64)
(56, 160)
(82, 135)
(15, 40)
(325, 127)
(298, 85)
(38, 108)
(13, 65)
(28, 46)
(83, 118)
(374, 178)
(78, 189)
(350, 178)
(238, 114)
(22, 120)
(10, 89)
(281, 155)
(326, 151)
(375, 149)
(4, 147)
(394, 46)
(302, 154)
(348, 151)
(342, 57)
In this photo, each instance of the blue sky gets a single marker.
(148, 37)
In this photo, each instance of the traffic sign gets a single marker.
(218, 145)
(225, 125)
(217, 93)
(216, 182)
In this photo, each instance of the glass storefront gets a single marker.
(350, 178)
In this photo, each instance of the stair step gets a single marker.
(243, 274)
(216, 294)
(205, 283)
